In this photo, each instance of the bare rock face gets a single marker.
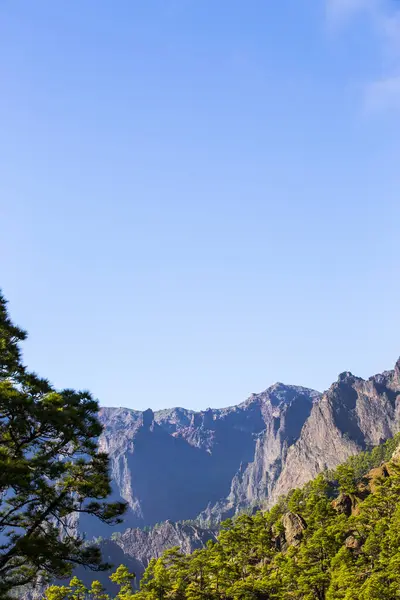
(352, 415)
(144, 545)
(135, 548)
(294, 526)
(375, 476)
(352, 543)
(343, 504)
(178, 464)
(175, 464)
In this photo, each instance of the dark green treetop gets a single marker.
(50, 470)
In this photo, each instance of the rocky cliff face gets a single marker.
(352, 415)
(140, 546)
(177, 464)
(135, 548)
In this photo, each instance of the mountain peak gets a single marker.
(178, 463)
(346, 376)
(280, 394)
(147, 418)
(397, 370)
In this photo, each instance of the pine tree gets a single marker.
(49, 469)
(123, 578)
(337, 556)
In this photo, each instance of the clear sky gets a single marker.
(200, 198)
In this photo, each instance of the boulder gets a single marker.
(396, 455)
(352, 543)
(343, 504)
(376, 475)
(294, 526)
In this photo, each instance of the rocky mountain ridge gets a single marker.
(136, 547)
(179, 464)
(354, 414)
(174, 464)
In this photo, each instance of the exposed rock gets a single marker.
(294, 526)
(396, 455)
(134, 548)
(354, 414)
(177, 464)
(375, 476)
(343, 504)
(352, 543)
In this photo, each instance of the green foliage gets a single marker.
(49, 469)
(123, 578)
(351, 473)
(338, 557)
(251, 560)
(76, 590)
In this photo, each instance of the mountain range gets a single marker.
(181, 465)
(182, 472)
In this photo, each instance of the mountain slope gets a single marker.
(135, 548)
(337, 538)
(352, 415)
(174, 464)
(178, 464)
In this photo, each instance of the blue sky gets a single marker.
(201, 198)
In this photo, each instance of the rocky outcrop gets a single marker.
(178, 464)
(294, 526)
(344, 504)
(354, 414)
(375, 476)
(352, 542)
(143, 545)
(396, 455)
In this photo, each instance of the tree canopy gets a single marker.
(337, 538)
(50, 471)
(76, 590)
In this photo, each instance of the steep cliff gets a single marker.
(174, 464)
(140, 546)
(178, 464)
(352, 415)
